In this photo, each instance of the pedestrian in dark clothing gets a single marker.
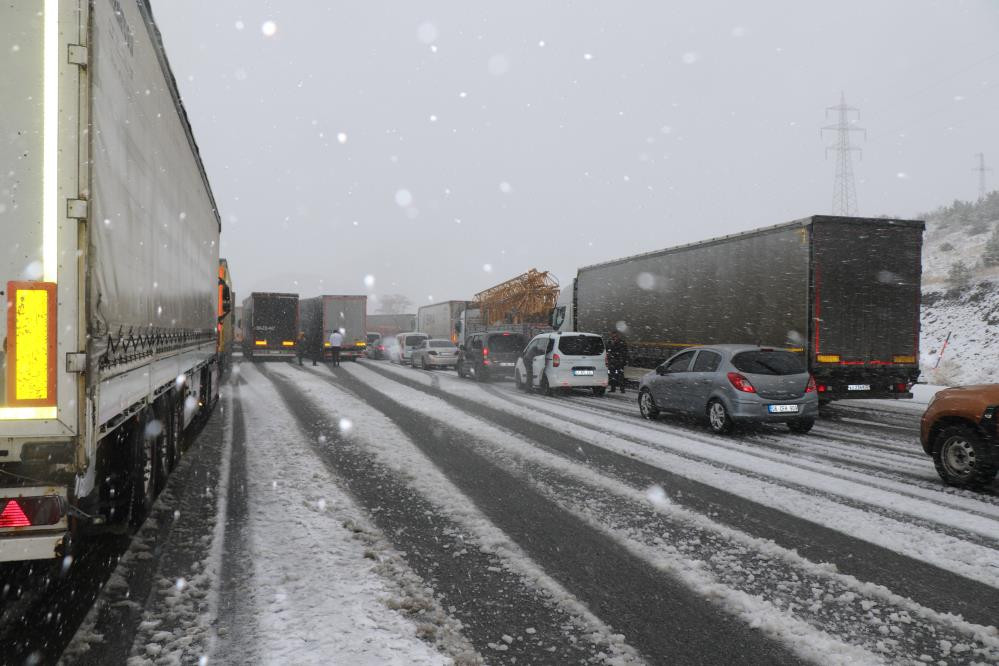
(617, 359)
(300, 347)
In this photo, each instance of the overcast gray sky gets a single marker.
(441, 147)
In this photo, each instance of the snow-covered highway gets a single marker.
(378, 514)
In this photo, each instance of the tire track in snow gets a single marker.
(723, 563)
(929, 585)
(489, 599)
(621, 589)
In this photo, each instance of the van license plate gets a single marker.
(579, 373)
(781, 409)
(858, 387)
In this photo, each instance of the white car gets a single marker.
(408, 342)
(431, 354)
(563, 361)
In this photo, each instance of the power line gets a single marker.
(981, 169)
(844, 201)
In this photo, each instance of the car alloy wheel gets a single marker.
(718, 417)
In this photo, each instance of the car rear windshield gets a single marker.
(373, 337)
(441, 343)
(768, 363)
(506, 343)
(412, 340)
(581, 345)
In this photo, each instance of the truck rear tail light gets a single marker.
(810, 387)
(901, 388)
(30, 511)
(360, 344)
(260, 343)
(828, 358)
(556, 359)
(327, 344)
(485, 352)
(904, 360)
(31, 345)
(741, 383)
(287, 343)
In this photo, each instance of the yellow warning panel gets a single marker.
(31, 330)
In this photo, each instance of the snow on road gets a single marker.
(918, 540)
(316, 590)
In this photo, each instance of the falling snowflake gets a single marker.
(487, 268)
(369, 281)
(403, 198)
(505, 188)
(690, 57)
(269, 28)
(657, 496)
(645, 281)
(499, 65)
(427, 32)
(341, 137)
(345, 425)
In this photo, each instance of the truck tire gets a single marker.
(800, 426)
(647, 405)
(718, 418)
(144, 471)
(963, 458)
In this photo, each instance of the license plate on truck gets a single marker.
(858, 387)
(782, 409)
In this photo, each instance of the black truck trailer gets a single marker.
(270, 325)
(844, 292)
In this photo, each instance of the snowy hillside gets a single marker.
(968, 312)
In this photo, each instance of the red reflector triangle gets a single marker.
(13, 516)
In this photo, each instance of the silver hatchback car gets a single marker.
(733, 384)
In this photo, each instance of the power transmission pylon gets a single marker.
(844, 201)
(981, 169)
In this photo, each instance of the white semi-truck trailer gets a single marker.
(109, 264)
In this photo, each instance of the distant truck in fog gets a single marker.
(270, 325)
(388, 325)
(441, 320)
(844, 292)
(323, 314)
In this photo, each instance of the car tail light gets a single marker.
(740, 383)
(381, 347)
(810, 387)
(485, 352)
(556, 359)
(29, 511)
(823, 388)
(901, 388)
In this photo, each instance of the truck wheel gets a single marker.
(963, 458)
(647, 405)
(800, 426)
(144, 470)
(718, 419)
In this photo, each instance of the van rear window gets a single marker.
(768, 363)
(412, 340)
(581, 345)
(506, 343)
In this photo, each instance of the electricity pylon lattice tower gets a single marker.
(981, 169)
(844, 201)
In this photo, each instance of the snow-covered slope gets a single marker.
(970, 316)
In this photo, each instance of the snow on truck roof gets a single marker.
(801, 223)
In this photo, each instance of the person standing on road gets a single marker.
(300, 345)
(336, 341)
(617, 358)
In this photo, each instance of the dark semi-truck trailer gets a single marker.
(347, 314)
(844, 292)
(270, 325)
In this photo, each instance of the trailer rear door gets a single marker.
(866, 290)
(275, 318)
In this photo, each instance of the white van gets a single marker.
(407, 341)
(563, 361)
